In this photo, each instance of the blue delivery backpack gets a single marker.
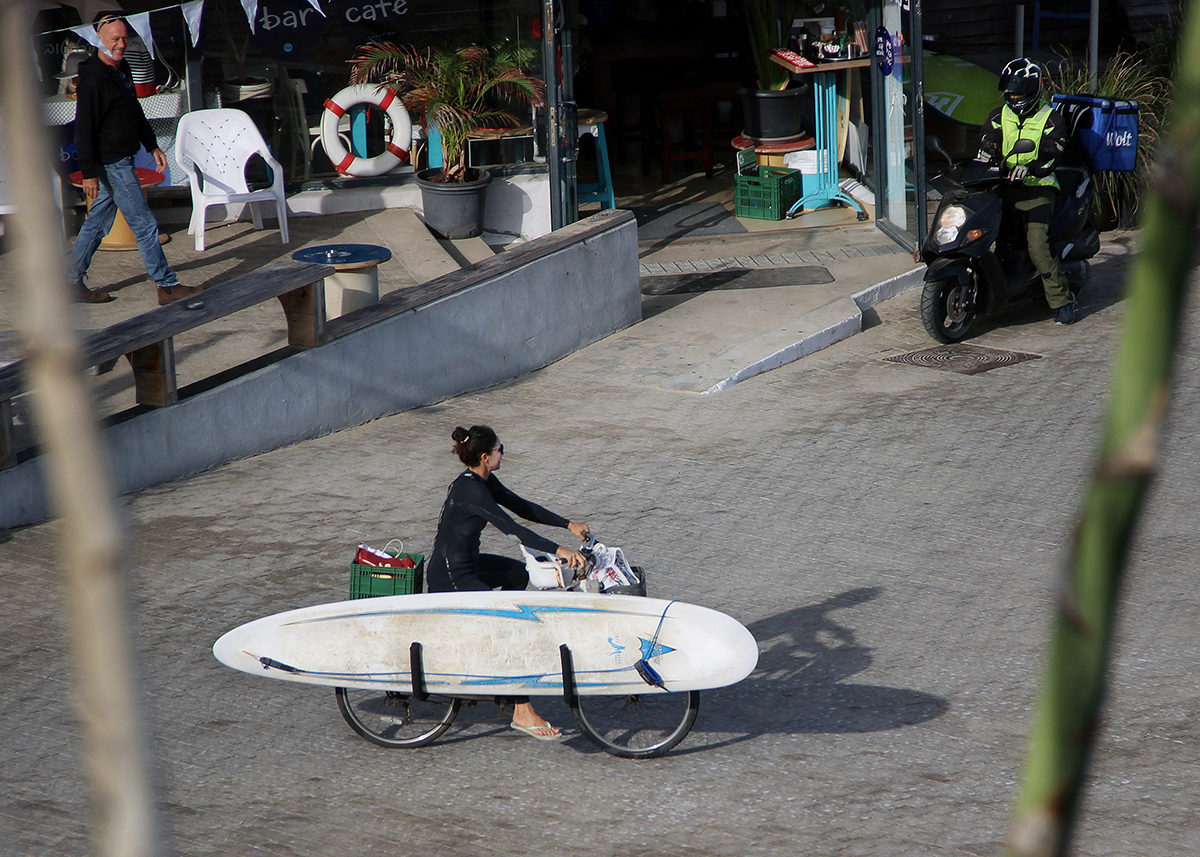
(1105, 128)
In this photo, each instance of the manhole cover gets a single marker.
(964, 359)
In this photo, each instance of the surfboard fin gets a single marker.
(268, 664)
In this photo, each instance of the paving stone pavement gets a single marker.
(891, 535)
(768, 260)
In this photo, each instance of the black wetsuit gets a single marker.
(471, 504)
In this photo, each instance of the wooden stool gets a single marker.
(592, 122)
(683, 101)
(634, 90)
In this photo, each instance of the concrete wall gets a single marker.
(541, 301)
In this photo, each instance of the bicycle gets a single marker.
(629, 725)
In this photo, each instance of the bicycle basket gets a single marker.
(637, 588)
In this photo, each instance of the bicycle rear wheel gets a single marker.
(392, 719)
(638, 726)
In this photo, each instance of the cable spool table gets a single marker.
(120, 236)
(771, 153)
(356, 283)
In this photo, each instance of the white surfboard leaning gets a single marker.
(496, 644)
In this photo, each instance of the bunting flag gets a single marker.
(88, 33)
(191, 16)
(141, 25)
(250, 7)
(192, 11)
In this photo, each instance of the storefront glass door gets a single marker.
(898, 127)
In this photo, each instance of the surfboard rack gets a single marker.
(570, 696)
(417, 668)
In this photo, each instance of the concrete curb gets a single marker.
(890, 288)
(830, 334)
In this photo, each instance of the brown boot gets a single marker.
(177, 292)
(82, 294)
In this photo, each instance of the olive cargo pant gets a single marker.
(1034, 205)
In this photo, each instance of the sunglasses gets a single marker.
(499, 449)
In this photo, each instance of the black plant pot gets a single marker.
(772, 114)
(454, 209)
(256, 97)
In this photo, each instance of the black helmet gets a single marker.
(1021, 83)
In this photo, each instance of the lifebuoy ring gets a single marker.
(386, 99)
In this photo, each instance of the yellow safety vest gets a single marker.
(1014, 129)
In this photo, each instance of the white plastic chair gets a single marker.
(213, 148)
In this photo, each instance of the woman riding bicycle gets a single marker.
(473, 501)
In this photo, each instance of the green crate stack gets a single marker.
(371, 581)
(768, 195)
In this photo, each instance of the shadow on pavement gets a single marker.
(1105, 288)
(800, 684)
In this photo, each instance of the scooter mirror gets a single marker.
(934, 144)
(1022, 147)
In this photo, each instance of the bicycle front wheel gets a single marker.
(638, 726)
(392, 719)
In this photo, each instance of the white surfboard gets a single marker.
(496, 644)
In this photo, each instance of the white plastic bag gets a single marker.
(611, 568)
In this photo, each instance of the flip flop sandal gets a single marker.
(533, 731)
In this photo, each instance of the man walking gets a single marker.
(110, 128)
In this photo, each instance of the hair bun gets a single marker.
(459, 434)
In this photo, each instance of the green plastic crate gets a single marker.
(768, 195)
(371, 581)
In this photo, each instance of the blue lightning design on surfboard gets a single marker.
(648, 650)
(526, 612)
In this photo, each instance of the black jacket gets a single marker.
(109, 122)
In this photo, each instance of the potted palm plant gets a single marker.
(454, 91)
(252, 94)
(771, 110)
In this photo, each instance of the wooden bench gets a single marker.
(147, 340)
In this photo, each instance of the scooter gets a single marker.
(976, 253)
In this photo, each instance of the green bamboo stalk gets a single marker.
(1068, 706)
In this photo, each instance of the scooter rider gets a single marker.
(1033, 187)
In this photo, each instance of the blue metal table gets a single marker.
(827, 191)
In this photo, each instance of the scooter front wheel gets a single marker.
(947, 309)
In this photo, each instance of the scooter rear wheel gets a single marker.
(947, 310)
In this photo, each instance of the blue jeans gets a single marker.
(119, 189)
